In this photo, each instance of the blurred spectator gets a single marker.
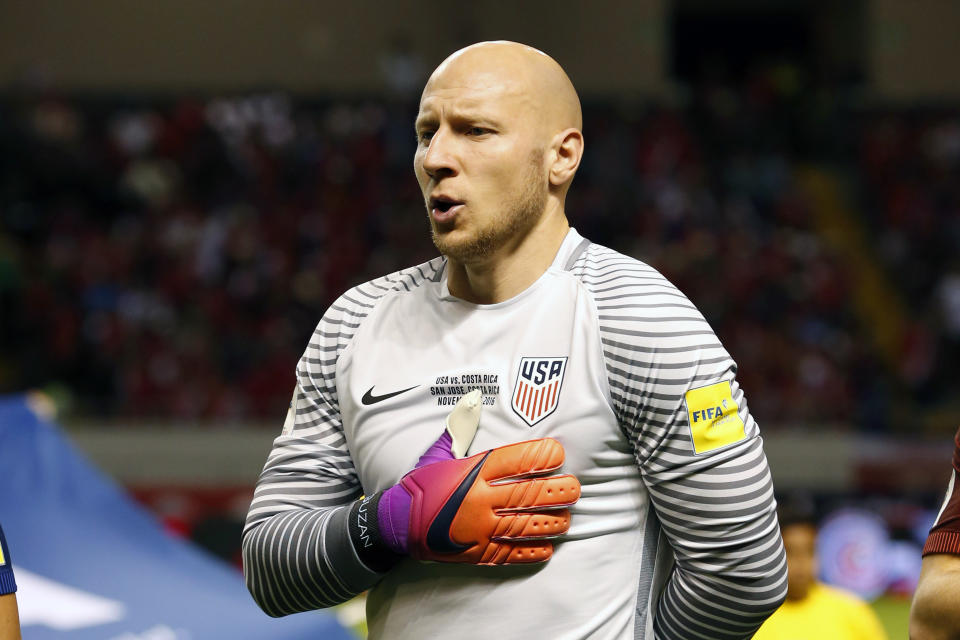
(910, 164)
(814, 609)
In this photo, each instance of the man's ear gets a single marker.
(568, 150)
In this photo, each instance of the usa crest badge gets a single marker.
(537, 391)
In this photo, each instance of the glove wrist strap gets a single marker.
(366, 537)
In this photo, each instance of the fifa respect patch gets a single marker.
(714, 417)
(3, 556)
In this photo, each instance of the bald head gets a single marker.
(519, 70)
(498, 144)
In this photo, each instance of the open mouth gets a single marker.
(443, 204)
(444, 208)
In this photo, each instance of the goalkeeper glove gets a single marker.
(492, 508)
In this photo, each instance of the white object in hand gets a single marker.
(463, 421)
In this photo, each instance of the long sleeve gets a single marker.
(674, 391)
(297, 552)
(297, 555)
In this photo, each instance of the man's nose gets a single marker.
(440, 159)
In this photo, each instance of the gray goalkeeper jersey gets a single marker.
(675, 534)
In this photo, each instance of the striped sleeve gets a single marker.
(712, 493)
(297, 554)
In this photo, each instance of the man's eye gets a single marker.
(424, 136)
(477, 131)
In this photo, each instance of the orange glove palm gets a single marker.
(491, 508)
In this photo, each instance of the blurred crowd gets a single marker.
(169, 258)
(909, 168)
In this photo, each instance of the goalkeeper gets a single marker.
(617, 479)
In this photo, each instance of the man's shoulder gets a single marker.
(359, 301)
(362, 298)
(856, 612)
(343, 318)
(639, 309)
(610, 274)
(599, 262)
(840, 598)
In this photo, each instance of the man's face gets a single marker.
(800, 543)
(479, 161)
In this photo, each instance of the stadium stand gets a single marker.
(168, 258)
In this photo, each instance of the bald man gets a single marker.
(616, 486)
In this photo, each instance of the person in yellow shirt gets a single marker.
(814, 610)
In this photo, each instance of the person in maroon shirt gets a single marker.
(935, 612)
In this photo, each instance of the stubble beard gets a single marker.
(516, 219)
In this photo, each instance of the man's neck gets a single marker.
(511, 269)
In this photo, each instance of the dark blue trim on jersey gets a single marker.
(7, 582)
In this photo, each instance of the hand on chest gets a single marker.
(538, 367)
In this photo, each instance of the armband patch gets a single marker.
(714, 417)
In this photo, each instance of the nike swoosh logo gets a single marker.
(438, 535)
(369, 398)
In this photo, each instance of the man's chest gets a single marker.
(538, 365)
